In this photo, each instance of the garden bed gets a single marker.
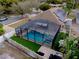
(31, 45)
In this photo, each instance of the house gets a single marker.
(41, 29)
(77, 1)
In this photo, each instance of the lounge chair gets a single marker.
(42, 24)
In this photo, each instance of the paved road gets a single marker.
(11, 19)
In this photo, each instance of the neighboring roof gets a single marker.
(60, 14)
(77, 14)
(77, 1)
(77, 17)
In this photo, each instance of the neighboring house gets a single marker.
(77, 1)
(61, 14)
(77, 18)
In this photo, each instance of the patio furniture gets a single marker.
(40, 53)
(51, 56)
(54, 57)
(42, 24)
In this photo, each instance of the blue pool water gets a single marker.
(38, 37)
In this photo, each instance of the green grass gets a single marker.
(31, 45)
(1, 29)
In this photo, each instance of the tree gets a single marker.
(49, 1)
(1, 29)
(70, 47)
(70, 4)
(55, 1)
(6, 4)
(25, 6)
(45, 6)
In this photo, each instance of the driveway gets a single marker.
(11, 19)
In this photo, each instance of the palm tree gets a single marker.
(70, 4)
(70, 44)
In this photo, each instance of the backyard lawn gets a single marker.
(31, 45)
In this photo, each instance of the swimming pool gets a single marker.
(38, 37)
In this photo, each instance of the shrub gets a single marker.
(1, 29)
(49, 1)
(76, 5)
(55, 1)
(45, 6)
(69, 5)
(59, 37)
(1, 25)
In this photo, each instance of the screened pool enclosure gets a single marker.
(41, 31)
